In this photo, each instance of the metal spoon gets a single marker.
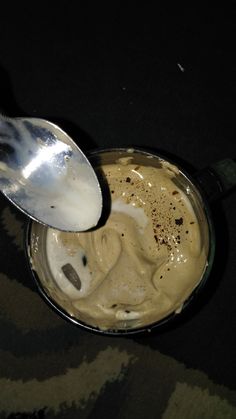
(45, 174)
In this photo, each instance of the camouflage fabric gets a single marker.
(52, 369)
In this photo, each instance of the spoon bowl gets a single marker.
(46, 175)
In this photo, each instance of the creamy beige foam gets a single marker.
(143, 263)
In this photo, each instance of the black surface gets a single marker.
(132, 75)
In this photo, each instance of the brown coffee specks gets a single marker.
(84, 260)
(175, 192)
(186, 231)
(192, 222)
(178, 239)
(128, 180)
(179, 221)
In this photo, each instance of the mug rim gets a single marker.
(170, 318)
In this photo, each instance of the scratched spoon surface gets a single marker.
(46, 175)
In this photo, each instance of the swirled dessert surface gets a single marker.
(142, 264)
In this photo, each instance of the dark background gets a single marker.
(124, 75)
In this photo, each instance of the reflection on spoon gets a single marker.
(45, 174)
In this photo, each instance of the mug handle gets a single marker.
(217, 179)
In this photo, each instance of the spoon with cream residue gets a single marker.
(46, 175)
